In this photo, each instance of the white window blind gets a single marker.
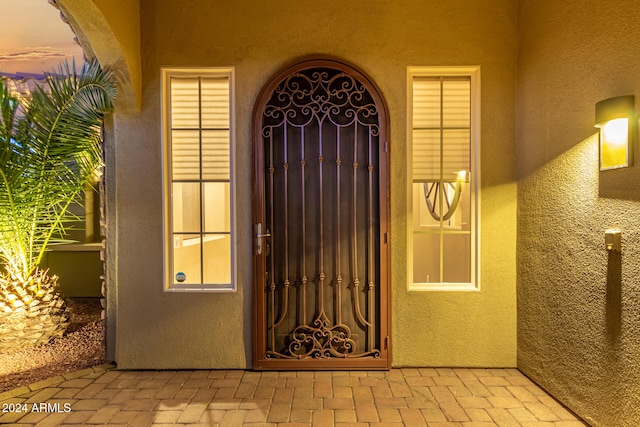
(441, 128)
(200, 128)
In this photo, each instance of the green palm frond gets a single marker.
(49, 150)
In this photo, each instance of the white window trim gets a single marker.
(166, 74)
(447, 71)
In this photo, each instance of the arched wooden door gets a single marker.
(320, 213)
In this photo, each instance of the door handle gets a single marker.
(259, 236)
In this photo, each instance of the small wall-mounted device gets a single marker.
(613, 240)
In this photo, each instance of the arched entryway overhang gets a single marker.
(110, 31)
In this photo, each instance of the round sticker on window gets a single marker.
(181, 277)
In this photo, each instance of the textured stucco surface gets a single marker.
(169, 330)
(578, 310)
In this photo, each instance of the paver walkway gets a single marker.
(409, 397)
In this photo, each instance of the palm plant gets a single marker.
(49, 151)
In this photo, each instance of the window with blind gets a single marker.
(443, 169)
(198, 179)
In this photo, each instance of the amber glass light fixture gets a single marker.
(616, 119)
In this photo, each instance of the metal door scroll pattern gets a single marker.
(321, 290)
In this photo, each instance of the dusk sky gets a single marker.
(34, 38)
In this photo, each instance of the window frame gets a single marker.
(473, 72)
(187, 72)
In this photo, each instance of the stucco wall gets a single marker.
(169, 330)
(578, 309)
(79, 271)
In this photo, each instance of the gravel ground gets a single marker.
(81, 347)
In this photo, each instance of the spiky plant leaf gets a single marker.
(49, 151)
(47, 155)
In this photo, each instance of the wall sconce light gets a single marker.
(616, 119)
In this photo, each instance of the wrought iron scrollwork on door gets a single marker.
(320, 94)
(320, 129)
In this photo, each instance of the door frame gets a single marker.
(259, 216)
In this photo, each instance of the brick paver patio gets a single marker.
(400, 397)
